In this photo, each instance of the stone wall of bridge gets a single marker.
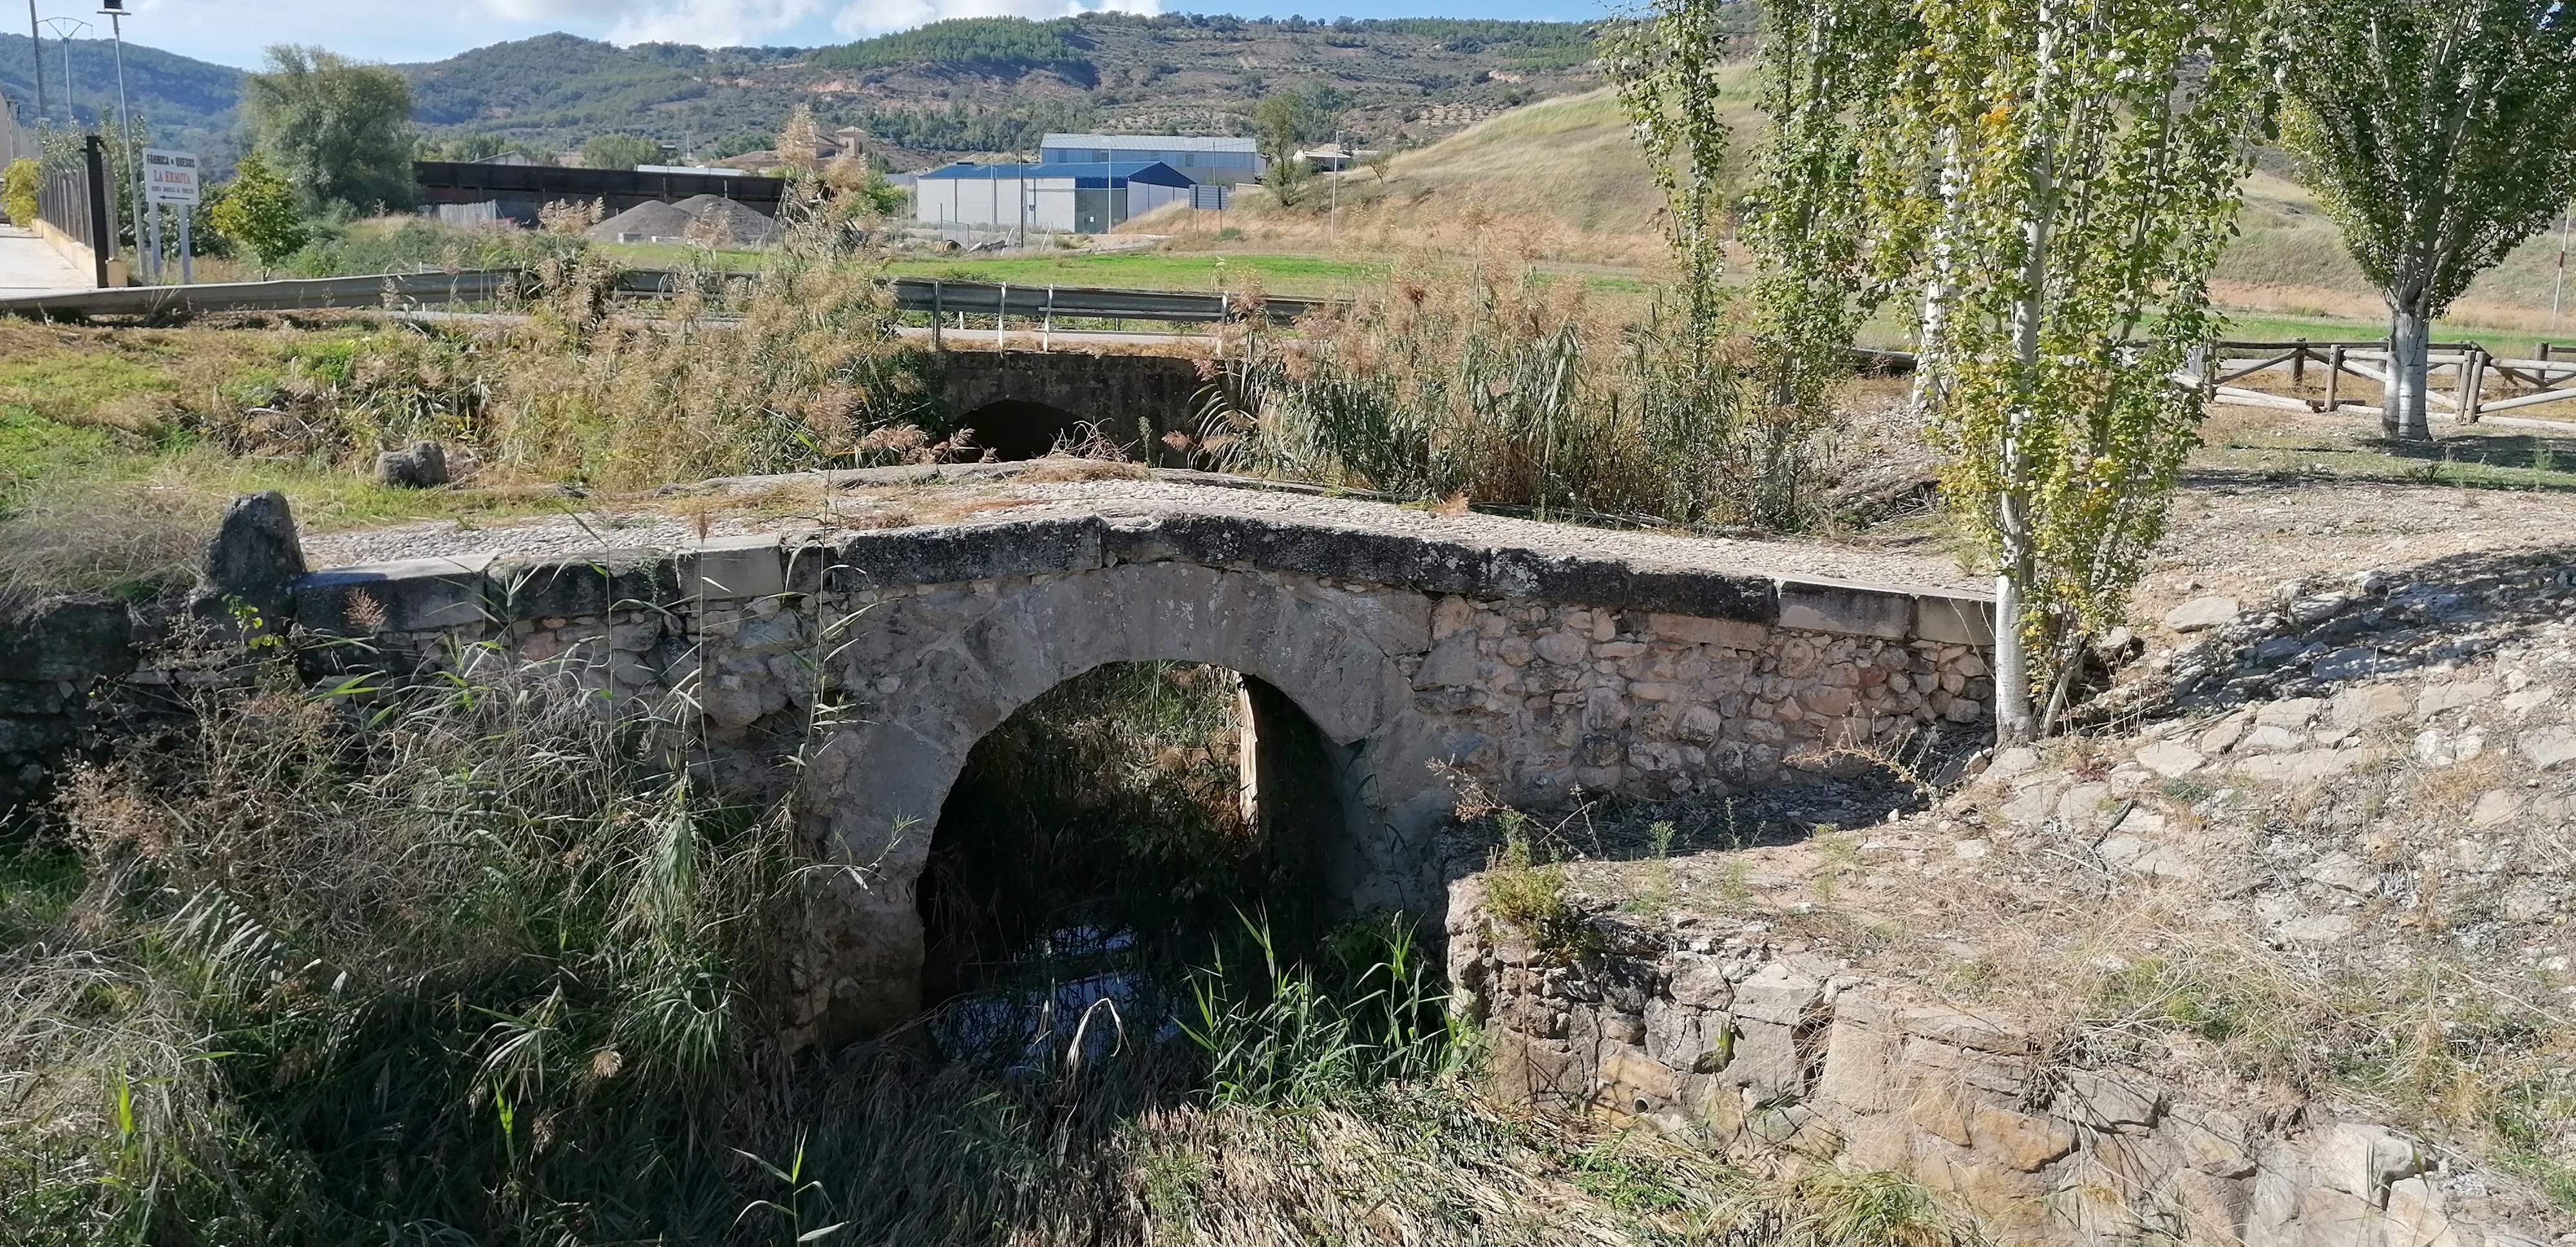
(1420, 663)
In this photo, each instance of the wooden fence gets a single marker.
(2479, 382)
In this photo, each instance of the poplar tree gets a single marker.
(2058, 178)
(2439, 134)
(1827, 68)
(1667, 69)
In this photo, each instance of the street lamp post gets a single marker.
(115, 12)
(64, 28)
(36, 49)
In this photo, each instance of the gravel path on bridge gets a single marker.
(794, 505)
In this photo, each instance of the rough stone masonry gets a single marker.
(876, 659)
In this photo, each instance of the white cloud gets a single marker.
(711, 23)
(722, 23)
(876, 17)
(235, 31)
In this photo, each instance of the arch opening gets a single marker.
(1109, 835)
(1017, 429)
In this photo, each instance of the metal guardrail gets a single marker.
(935, 296)
(374, 290)
(938, 297)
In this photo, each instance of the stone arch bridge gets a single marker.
(1534, 668)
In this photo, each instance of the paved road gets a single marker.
(29, 264)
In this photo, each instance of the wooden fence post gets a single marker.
(2299, 364)
(2473, 383)
(2334, 375)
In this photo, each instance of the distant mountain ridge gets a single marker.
(965, 85)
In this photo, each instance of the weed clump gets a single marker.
(1531, 895)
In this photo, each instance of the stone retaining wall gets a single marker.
(1773, 1052)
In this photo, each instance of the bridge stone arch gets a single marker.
(875, 791)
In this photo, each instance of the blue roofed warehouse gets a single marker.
(1067, 197)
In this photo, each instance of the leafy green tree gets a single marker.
(620, 151)
(470, 147)
(258, 210)
(2439, 134)
(1288, 179)
(339, 130)
(1666, 68)
(18, 185)
(1287, 119)
(1826, 68)
(2057, 178)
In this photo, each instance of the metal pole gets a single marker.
(1339, 160)
(64, 28)
(115, 11)
(36, 49)
(102, 242)
(2558, 286)
(187, 268)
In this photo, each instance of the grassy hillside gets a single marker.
(1562, 181)
(1558, 182)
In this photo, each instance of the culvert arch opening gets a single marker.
(1108, 836)
(1017, 429)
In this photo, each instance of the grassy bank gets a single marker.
(117, 446)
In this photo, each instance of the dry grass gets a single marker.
(1558, 181)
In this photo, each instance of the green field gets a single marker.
(1278, 274)
(2275, 327)
(674, 254)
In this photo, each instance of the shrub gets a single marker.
(18, 184)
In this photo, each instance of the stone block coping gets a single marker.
(476, 592)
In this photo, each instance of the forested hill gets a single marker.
(969, 85)
(189, 103)
(995, 84)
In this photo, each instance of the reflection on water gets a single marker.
(1077, 997)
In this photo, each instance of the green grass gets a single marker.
(1279, 274)
(674, 255)
(2277, 327)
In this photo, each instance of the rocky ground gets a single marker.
(2317, 848)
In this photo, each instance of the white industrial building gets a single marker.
(1064, 197)
(1206, 160)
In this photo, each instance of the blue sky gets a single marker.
(233, 31)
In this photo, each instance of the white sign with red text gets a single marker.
(169, 177)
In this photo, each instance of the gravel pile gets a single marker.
(653, 221)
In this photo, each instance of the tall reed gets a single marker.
(1508, 388)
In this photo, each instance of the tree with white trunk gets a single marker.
(2439, 134)
(2058, 178)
